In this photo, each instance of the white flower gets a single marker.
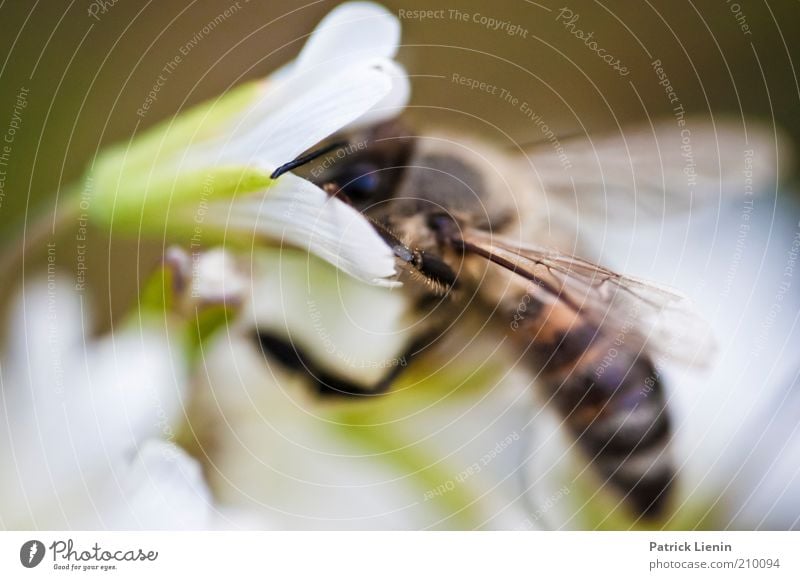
(353, 330)
(85, 424)
(280, 450)
(204, 278)
(207, 173)
(162, 488)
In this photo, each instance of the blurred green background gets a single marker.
(88, 67)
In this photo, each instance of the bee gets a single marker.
(480, 231)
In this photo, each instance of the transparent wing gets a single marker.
(660, 168)
(640, 312)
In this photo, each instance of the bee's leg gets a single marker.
(328, 386)
(294, 359)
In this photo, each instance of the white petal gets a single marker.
(215, 278)
(352, 330)
(162, 489)
(59, 435)
(276, 456)
(137, 379)
(278, 129)
(46, 325)
(350, 32)
(395, 100)
(301, 214)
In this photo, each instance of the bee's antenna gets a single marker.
(307, 158)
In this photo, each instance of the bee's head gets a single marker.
(419, 191)
(400, 179)
(367, 168)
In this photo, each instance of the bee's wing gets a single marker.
(640, 313)
(656, 169)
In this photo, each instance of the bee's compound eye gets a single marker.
(360, 181)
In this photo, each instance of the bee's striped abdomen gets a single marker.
(610, 397)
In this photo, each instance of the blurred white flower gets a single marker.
(162, 488)
(204, 279)
(209, 173)
(85, 423)
(344, 327)
(311, 462)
